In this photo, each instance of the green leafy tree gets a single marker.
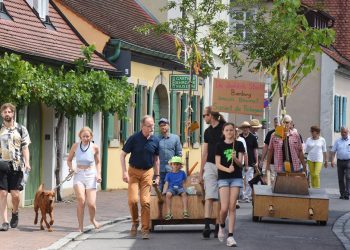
(70, 92)
(281, 44)
(199, 35)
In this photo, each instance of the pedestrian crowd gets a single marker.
(230, 165)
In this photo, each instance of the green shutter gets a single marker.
(138, 102)
(89, 120)
(71, 133)
(343, 116)
(124, 129)
(149, 111)
(173, 111)
(110, 118)
(194, 117)
(336, 114)
(183, 116)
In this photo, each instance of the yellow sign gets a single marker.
(237, 96)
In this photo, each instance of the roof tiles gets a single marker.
(118, 18)
(26, 34)
(340, 10)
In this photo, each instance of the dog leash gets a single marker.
(68, 178)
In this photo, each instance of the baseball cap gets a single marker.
(163, 120)
(176, 159)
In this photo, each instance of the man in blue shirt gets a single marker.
(144, 149)
(169, 146)
(341, 147)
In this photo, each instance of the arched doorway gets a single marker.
(160, 105)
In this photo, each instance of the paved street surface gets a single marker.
(268, 234)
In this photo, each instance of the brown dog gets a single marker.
(44, 201)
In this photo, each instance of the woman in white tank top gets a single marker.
(88, 174)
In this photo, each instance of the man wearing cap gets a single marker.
(143, 165)
(295, 149)
(169, 146)
(252, 151)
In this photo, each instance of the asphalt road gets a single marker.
(268, 234)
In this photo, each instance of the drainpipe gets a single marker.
(116, 44)
(105, 151)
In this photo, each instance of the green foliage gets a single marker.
(281, 43)
(198, 32)
(16, 79)
(70, 92)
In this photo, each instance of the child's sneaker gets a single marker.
(230, 242)
(186, 215)
(221, 234)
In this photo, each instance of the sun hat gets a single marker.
(176, 159)
(254, 123)
(245, 124)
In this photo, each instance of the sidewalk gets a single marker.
(110, 205)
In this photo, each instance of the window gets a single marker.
(238, 19)
(3, 12)
(340, 103)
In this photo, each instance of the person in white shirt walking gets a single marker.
(315, 147)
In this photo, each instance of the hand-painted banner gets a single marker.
(237, 96)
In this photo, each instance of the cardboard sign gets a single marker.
(240, 97)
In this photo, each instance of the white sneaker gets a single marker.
(221, 234)
(230, 242)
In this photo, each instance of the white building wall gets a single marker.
(328, 68)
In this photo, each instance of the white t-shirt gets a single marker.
(315, 149)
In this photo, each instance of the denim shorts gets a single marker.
(233, 182)
(176, 191)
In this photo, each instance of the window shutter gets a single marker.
(183, 116)
(336, 113)
(344, 102)
(201, 121)
(173, 111)
(138, 102)
(110, 126)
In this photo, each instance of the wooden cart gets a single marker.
(313, 206)
(195, 207)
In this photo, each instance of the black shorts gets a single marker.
(11, 180)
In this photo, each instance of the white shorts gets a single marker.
(86, 178)
(210, 177)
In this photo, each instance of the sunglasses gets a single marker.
(204, 115)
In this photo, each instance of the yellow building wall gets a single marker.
(143, 72)
(89, 32)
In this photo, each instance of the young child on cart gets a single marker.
(174, 185)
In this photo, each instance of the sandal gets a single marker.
(186, 215)
(168, 216)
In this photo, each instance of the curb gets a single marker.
(341, 229)
(75, 235)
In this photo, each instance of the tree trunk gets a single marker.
(59, 142)
(280, 87)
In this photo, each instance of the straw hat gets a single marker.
(245, 124)
(254, 123)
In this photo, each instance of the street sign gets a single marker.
(181, 82)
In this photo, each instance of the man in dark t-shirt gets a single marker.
(252, 151)
(208, 172)
(267, 143)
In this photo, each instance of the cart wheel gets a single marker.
(322, 222)
(256, 218)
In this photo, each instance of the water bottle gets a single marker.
(25, 177)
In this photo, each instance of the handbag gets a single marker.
(4, 166)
